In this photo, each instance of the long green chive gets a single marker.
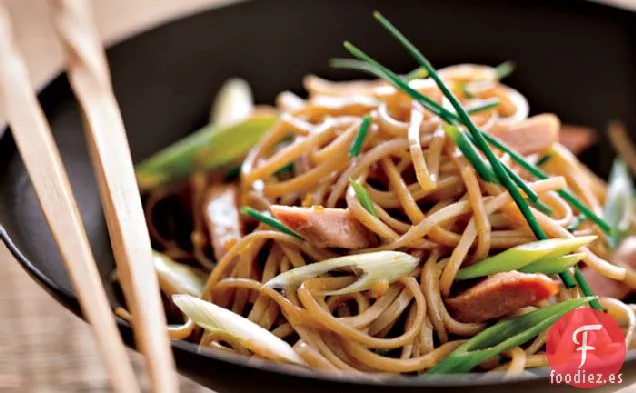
(544, 159)
(585, 288)
(532, 195)
(504, 69)
(464, 144)
(356, 146)
(522, 184)
(479, 140)
(364, 197)
(542, 207)
(353, 64)
(568, 281)
(272, 222)
(460, 139)
(477, 135)
(379, 71)
(536, 172)
(474, 158)
(376, 69)
(382, 72)
(483, 106)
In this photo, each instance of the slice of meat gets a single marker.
(576, 139)
(602, 286)
(376, 172)
(222, 217)
(624, 256)
(325, 227)
(529, 136)
(500, 295)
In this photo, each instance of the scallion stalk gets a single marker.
(374, 267)
(501, 337)
(553, 265)
(247, 333)
(504, 69)
(209, 148)
(619, 205)
(521, 256)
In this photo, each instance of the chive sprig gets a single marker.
(376, 69)
(356, 146)
(269, 220)
(492, 169)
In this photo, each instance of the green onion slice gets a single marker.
(553, 265)
(518, 257)
(619, 206)
(501, 337)
(247, 333)
(373, 267)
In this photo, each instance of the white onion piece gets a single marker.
(247, 333)
(374, 267)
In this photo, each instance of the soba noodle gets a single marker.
(429, 202)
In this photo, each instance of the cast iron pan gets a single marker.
(574, 58)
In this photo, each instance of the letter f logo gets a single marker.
(583, 344)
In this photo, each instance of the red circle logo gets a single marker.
(585, 348)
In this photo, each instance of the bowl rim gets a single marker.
(68, 299)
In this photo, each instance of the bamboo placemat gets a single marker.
(43, 347)
(46, 349)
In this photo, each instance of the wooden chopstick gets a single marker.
(42, 159)
(110, 153)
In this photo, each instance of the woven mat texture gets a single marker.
(43, 347)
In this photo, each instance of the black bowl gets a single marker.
(574, 58)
